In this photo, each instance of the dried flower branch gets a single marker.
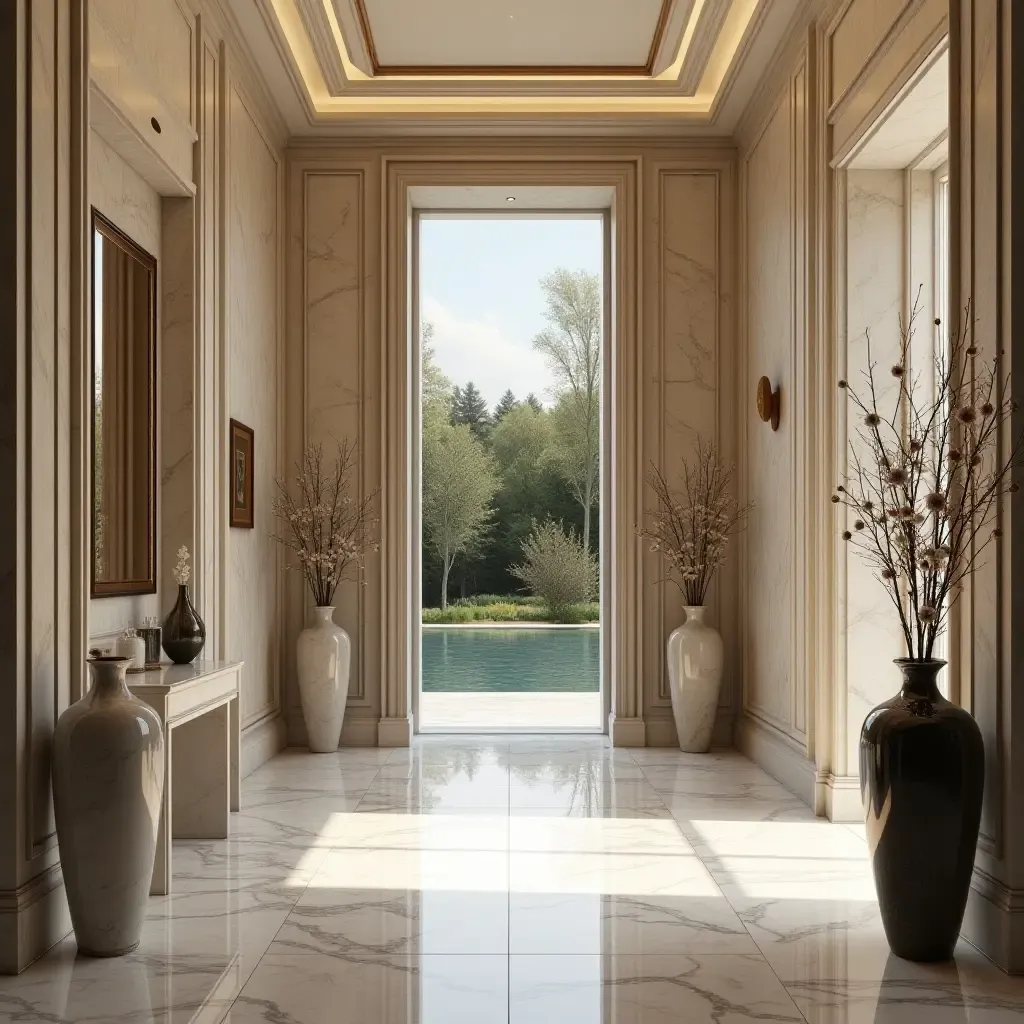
(182, 570)
(329, 531)
(691, 530)
(925, 482)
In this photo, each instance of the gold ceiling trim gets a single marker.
(367, 102)
(510, 70)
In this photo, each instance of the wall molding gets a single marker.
(33, 918)
(843, 798)
(782, 760)
(261, 741)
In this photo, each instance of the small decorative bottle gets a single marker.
(184, 633)
(130, 645)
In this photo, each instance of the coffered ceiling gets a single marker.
(361, 65)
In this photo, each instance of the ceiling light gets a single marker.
(510, 199)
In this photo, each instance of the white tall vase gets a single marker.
(324, 656)
(108, 779)
(695, 679)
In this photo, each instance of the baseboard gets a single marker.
(627, 732)
(359, 732)
(261, 741)
(994, 921)
(33, 918)
(780, 759)
(661, 732)
(842, 798)
(394, 732)
(355, 731)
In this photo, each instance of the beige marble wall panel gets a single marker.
(134, 206)
(178, 498)
(336, 344)
(875, 292)
(684, 351)
(251, 298)
(770, 318)
(158, 34)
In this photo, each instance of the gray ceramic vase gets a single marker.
(108, 780)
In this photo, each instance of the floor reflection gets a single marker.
(516, 880)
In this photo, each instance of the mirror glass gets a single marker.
(123, 414)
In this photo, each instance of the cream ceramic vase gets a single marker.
(324, 656)
(108, 780)
(695, 679)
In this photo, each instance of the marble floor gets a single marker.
(526, 712)
(522, 880)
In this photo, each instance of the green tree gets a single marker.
(572, 345)
(470, 408)
(459, 481)
(558, 567)
(505, 405)
(534, 402)
(436, 388)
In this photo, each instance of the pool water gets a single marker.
(511, 660)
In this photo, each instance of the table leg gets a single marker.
(202, 776)
(161, 884)
(236, 741)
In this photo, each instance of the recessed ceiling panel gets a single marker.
(512, 36)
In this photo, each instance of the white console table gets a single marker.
(198, 705)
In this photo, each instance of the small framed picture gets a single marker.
(241, 470)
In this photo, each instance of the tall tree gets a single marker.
(470, 408)
(534, 402)
(572, 345)
(436, 388)
(505, 405)
(459, 480)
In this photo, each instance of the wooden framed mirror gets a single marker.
(123, 377)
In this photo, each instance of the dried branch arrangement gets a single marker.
(328, 529)
(926, 478)
(691, 529)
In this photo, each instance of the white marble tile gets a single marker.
(573, 922)
(659, 989)
(566, 788)
(488, 787)
(170, 989)
(315, 989)
(605, 908)
(382, 922)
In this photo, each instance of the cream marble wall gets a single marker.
(127, 199)
(769, 216)
(252, 296)
(875, 292)
(685, 299)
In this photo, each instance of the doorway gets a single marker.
(511, 310)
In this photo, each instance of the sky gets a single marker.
(479, 287)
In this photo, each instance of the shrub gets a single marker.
(558, 568)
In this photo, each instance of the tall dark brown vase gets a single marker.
(184, 632)
(922, 770)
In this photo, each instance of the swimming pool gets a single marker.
(515, 659)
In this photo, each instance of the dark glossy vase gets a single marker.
(922, 770)
(184, 633)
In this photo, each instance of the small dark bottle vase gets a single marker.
(922, 771)
(184, 633)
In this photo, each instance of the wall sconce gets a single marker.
(768, 402)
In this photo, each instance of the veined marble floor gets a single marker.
(543, 880)
(529, 711)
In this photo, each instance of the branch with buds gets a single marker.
(926, 480)
(691, 530)
(328, 530)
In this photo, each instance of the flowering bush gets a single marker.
(927, 478)
(558, 568)
(328, 530)
(691, 531)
